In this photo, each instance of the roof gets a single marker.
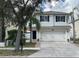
(52, 13)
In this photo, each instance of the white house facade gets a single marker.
(54, 26)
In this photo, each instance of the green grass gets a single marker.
(13, 53)
(77, 41)
(26, 45)
(29, 44)
(9, 47)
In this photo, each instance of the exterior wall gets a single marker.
(54, 35)
(69, 19)
(52, 21)
(77, 29)
(2, 44)
(61, 23)
(55, 27)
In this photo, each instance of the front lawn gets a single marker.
(13, 53)
(26, 45)
(29, 44)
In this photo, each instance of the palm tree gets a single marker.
(35, 21)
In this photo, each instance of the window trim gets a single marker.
(60, 20)
(44, 18)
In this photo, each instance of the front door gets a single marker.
(34, 34)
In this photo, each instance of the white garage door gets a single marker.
(53, 36)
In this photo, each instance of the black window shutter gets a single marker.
(48, 18)
(40, 18)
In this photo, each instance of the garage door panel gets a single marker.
(53, 36)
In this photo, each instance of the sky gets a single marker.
(65, 6)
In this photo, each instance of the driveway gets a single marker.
(57, 49)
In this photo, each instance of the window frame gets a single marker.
(44, 19)
(61, 19)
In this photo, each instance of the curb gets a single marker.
(23, 48)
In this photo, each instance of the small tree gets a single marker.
(35, 21)
(4, 15)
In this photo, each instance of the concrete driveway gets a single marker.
(57, 49)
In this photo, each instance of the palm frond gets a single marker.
(36, 22)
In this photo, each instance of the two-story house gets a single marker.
(54, 26)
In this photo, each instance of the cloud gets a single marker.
(70, 4)
(61, 5)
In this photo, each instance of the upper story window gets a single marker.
(60, 18)
(44, 18)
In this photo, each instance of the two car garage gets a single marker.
(53, 36)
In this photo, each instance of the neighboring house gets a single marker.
(54, 26)
(77, 29)
(76, 18)
(76, 23)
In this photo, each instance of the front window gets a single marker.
(44, 18)
(60, 18)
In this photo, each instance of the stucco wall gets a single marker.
(77, 29)
(52, 21)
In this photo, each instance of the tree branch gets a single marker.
(12, 7)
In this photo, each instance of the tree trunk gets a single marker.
(18, 37)
(0, 31)
(30, 36)
(2, 28)
(30, 32)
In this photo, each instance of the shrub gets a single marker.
(12, 36)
